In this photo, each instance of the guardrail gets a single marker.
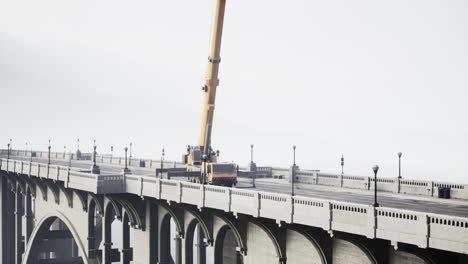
(394, 185)
(421, 229)
(71, 177)
(417, 228)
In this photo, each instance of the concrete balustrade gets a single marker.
(394, 185)
(404, 226)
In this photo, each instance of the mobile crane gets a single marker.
(203, 157)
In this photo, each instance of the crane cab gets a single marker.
(224, 174)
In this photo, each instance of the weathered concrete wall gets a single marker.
(299, 250)
(229, 249)
(260, 247)
(345, 252)
(402, 257)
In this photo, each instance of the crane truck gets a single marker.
(202, 157)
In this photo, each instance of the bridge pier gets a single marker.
(7, 220)
(19, 210)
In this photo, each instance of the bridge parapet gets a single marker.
(404, 226)
(71, 177)
(394, 185)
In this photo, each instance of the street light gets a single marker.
(293, 170)
(342, 164)
(8, 150)
(162, 164)
(48, 163)
(78, 144)
(94, 154)
(253, 169)
(10, 145)
(251, 153)
(64, 151)
(375, 169)
(126, 168)
(399, 165)
(112, 153)
(26, 148)
(131, 150)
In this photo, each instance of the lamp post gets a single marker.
(64, 151)
(399, 165)
(112, 153)
(162, 164)
(293, 170)
(94, 153)
(26, 148)
(251, 153)
(375, 169)
(130, 161)
(95, 169)
(253, 167)
(10, 145)
(48, 155)
(342, 164)
(126, 168)
(8, 150)
(78, 152)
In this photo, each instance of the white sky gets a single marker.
(362, 78)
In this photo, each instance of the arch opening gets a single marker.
(170, 244)
(225, 251)
(54, 243)
(196, 246)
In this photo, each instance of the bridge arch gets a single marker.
(302, 245)
(229, 245)
(42, 228)
(94, 224)
(349, 251)
(409, 256)
(166, 215)
(196, 229)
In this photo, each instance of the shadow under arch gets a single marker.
(219, 244)
(42, 228)
(314, 242)
(418, 253)
(360, 246)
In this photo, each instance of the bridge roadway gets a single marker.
(426, 205)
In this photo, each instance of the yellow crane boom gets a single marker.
(212, 80)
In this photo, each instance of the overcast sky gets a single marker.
(366, 79)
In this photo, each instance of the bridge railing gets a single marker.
(406, 226)
(71, 177)
(394, 185)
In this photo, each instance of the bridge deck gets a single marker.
(423, 204)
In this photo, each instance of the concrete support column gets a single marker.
(7, 221)
(28, 214)
(19, 211)
(125, 252)
(201, 246)
(107, 237)
(178, 249)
